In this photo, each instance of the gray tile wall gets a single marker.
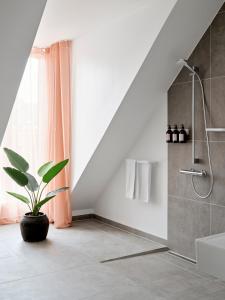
(190, 217)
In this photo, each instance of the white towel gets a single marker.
(143, 181)
(130, 178)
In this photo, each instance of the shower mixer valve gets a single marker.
(193, 172)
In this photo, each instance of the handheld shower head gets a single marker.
(182, 62)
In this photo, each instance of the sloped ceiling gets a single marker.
(69, 19)
(19, 22)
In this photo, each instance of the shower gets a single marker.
(195, 74)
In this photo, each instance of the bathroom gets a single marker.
(144, 217)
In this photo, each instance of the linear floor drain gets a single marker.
(161, 249)
(182, 256)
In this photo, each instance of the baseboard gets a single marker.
(89, 214)
(83, 217)
(83, 214)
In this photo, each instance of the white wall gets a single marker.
(105, 63)
(151, 217)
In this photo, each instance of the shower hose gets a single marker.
(204, 196)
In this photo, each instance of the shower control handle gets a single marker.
(193, 172)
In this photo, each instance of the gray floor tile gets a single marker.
(66, 266)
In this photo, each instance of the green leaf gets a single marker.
(55, 192)
(32, 182)
(54, 171)
(40, 204)
(16, 160)
(17, 176)
(45, 168)
(20, 197)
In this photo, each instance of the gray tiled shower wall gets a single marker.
(189, 216)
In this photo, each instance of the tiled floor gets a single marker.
(66, 266)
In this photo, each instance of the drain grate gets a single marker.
(157, 250)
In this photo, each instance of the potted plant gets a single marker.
(34, 225)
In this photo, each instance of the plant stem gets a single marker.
(39, 189)
(29, 207)
(34, 198)
(30, 198)
(42, 192)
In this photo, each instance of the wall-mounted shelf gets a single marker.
(215, 129)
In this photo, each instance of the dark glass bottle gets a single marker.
(169, 135)
(175, 134)
(182, 135)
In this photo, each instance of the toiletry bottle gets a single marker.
(182, 135)
(175, 135)
(169, 135)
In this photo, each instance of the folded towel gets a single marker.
(143, 180)
(130, 178)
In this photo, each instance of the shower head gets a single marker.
(182, 62)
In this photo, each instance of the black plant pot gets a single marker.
(34, 228)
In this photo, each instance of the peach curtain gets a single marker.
(25, 133)
(43, 101)
(59, 128)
